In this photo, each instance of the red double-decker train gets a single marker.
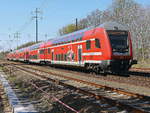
(107, 47)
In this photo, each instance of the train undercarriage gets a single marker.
(113, 66)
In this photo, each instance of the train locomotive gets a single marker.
(107, 47)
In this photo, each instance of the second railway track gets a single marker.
(132, 77)
(130, 101)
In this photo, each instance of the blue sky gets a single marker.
(14, 14)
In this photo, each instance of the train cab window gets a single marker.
(97, 43)
(88, 44)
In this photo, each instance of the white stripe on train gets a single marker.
(68, 62)
(91, 53)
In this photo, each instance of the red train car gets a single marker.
(105, 48)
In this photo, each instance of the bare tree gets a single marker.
(127, 12)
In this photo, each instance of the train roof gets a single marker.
(78, 34)
(113, 26)
(21, 50)
(68, 37)
(35, 46)
(70, 34)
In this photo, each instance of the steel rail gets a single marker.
(90, 83)
(141, 69)
(56, 99)
(109, 100)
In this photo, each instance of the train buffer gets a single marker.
(16, 105)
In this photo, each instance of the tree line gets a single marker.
(128, 12)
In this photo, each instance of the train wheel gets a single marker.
(42, 63)
(97, 70)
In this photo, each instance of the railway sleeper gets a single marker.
(126, 104)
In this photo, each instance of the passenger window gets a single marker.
(88, 44)
(56, 57)
(45, 51)
(41, 51)
(49, 51)
(62, 57)
(97, 43)
(59, 57)
(65, 57)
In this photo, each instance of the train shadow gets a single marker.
(144, 74)
(122, 74)
(125, 74)
(83, 70)
(131, 73)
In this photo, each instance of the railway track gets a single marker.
(141, 69)
(103, 107)
(130, 101)
(133, 77)
(131, 80)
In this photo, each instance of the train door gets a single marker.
(52, 55)
(80, 54)
(49, 54)
(27, 56)
(45, 54)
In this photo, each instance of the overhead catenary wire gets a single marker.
(30, 20)
(43, 4)
(25, 25)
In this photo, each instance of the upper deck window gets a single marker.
(49, 51)
(88, 44)
(42, 51)
(97, 43)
